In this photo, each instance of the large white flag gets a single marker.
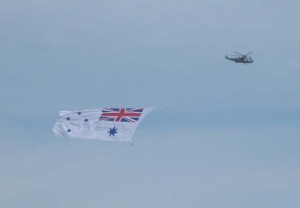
(112, 124)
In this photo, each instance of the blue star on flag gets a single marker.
(112, 131)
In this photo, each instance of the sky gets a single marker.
(222, 135)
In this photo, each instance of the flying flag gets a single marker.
(112, 124)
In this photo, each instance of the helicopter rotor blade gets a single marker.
(248, 53)
(238, 53)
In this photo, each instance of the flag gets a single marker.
(112, 124)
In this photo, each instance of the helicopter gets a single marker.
(245, 59)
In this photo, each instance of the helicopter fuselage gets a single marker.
(244, 60)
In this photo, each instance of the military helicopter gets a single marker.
(245, 59)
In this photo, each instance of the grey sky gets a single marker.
(225, 134)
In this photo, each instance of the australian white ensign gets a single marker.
(112, 124)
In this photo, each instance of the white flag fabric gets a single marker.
(111, 124)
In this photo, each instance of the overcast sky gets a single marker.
(223, 134)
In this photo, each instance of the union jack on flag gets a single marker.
(121, 114)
